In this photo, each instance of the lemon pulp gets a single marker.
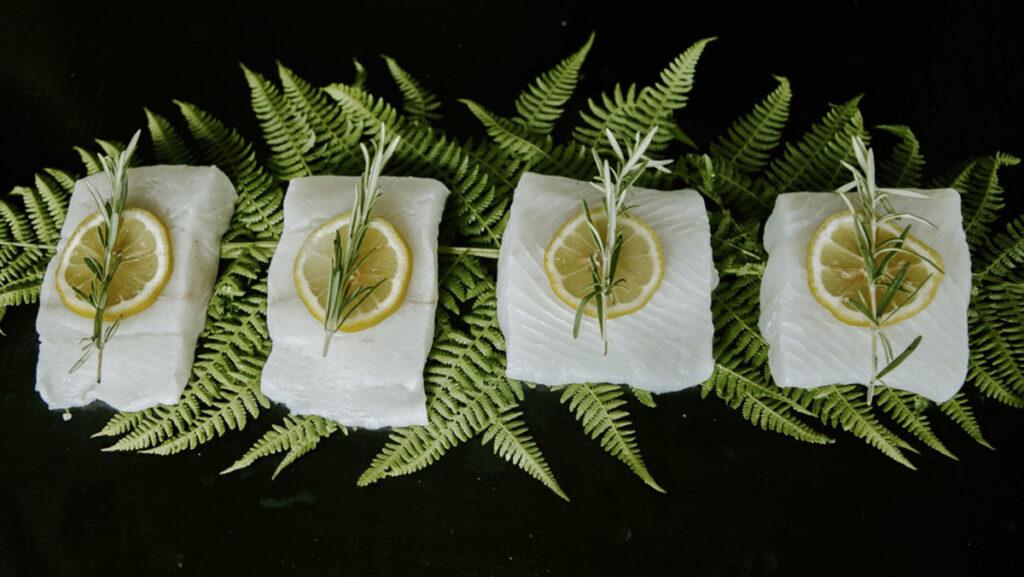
(836, 275)
(385, 259)
(641, 263)
(146, 264)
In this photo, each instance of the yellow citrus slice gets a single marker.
(835, 272)
(387, 259)
(145, 267)
(641, 263)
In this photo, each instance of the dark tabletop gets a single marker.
(740, 501)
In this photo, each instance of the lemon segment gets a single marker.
(641, 263)
(836, 275)
(145, 268)
(386, 257)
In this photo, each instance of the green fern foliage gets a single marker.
(598, 407)
(813, 162)
(476, 211)
(337, 138)
(541, 104)
(844, 407)
(959, 411)
(627, 112)
(420, 104)
(748, 144)
(294, 147)
(168, 146)
(983, 195)
(903, 169)
(295, 437)
(907, 410)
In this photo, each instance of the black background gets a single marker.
(740, 502)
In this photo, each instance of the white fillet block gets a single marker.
(374, 377)
(808, 347)
(665, 346)
(149, 359)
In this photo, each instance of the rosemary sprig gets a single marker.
(872, 210)
(616, 184)
(103, 269)
(343, 296)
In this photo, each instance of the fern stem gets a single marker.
(231, 249)
(490, 253)
(28, 245)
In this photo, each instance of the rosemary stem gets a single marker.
(99, 363)
(327, 343)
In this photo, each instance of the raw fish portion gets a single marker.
(139, 372)
(149, 359)
(665, 346)
(808, 347)
(370, 378)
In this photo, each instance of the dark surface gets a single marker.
(740, 502)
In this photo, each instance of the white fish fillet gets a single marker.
(374, 377)
(149, 359)
(665, 346)
(139, 372)
(808, 347)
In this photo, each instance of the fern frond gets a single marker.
(512, 137)
(258, 212)
(903, 169)
(297, 435)
(764, 405)
(627, 113)
(476, 211)
(540, 104)
(747, 145)
(645, 398)
(902, 407)
(598, 408)
(294, 150)
(813, 162)
(337, 138)
(420, 104)
(999, 266)
(983, 196)
(44, 229)
(90, 160)
(996, 355)
(168, 146)
(359, 80)
(31, 218)
(512, 442)
(843, 407)
(960, 412)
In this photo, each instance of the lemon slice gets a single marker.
(387, 259)
(144, 270)
(641, 263)
(835, 272)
